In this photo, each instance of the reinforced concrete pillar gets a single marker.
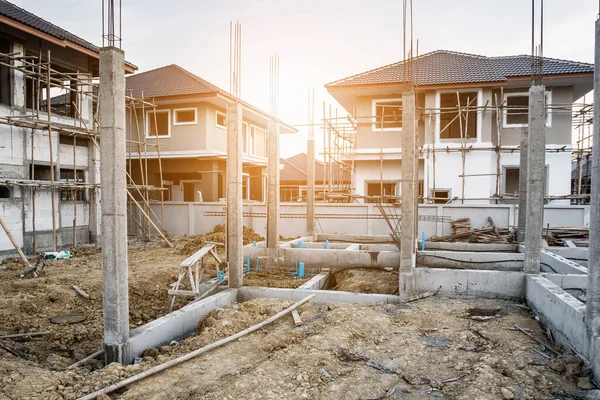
(592, 305)
(523, 186)
(408, 196)
(235, 222)
(115, 295)
(273, 190)
(536, 165)
(310, 176)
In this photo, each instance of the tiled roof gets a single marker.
(444, 67)
(171, 80)
(18, 14)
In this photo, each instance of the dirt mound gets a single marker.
(366, 281)
(273, 278)
(194, 243)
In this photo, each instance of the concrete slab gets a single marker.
(335, 237)
(459, 283)
(321, 296)
(177, 325)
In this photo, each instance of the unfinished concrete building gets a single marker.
(48, 161)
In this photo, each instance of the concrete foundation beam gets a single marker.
(317, 282)
(559, 311)
(348, 238)
(471, 260)
(469, 283)
(337, 259)
(321, 296)
(553, 263)
(177, 325)
(486, 247)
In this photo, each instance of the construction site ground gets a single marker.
(433, 348)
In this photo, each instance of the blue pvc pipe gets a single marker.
(300, 244)
(327, 244)
(422, 241)
(301, 270)
(248, 265)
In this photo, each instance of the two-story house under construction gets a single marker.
(189, 126)
(471, 113)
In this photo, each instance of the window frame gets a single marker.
(81, 192)
(245, 139)
(506, 125)
(148, 136)
(194, 109)
(217, 112)
(397, 189)
(479, 104)
(374, 113)
(433, 192)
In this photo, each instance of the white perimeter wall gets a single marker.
(190, 218)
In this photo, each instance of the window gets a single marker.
(516, 111)
(221, 119)
(289, 193)
(66, 139)
(70, 176)
(39, 172)
(158, 123)
(375, 194)
(440, 196)
(5, 192)
(185, 116)
(452, 127)
(388, 114)
(5, 76)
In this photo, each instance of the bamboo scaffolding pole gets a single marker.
(52, 191)
(160, 172)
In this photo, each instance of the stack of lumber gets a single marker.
(461, 225)
(556, 236)
(461, 232)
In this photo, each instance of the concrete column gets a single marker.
(536, 164)
(115, 296)
(18, 93)
(592, 316)
(523, 185)
(408, 195)
(235, 222)
(273, 190)
(310, 180)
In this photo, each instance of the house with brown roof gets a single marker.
(471, 113)
(190, 123)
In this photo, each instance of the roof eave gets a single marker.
(129, 68)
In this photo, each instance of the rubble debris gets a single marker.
(461, 225)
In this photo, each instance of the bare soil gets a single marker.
(363, 280)
(432, 349)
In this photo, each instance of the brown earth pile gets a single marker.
(366, 281)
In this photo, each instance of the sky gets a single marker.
(319, 41)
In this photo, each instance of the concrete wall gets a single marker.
(189, 218)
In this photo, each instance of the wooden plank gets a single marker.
(174, 292)
(296, 317)
(197, 255)
(570, 243)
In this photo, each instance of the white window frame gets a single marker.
(217, 112)
(374, 113)
(505, 124)
(194, 122)
(479, 102)
(245, 143)
(148, 113)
